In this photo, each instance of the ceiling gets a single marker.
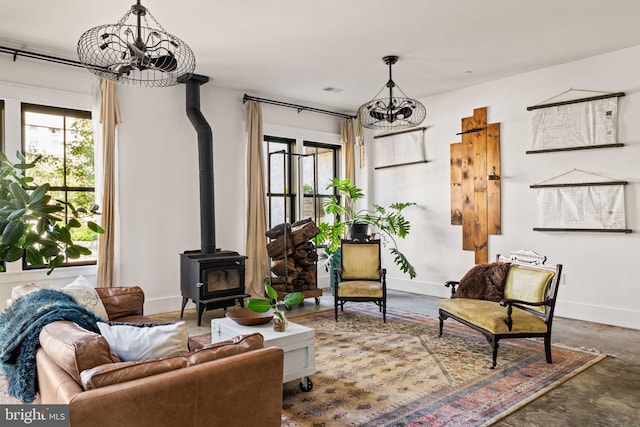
(292, 50)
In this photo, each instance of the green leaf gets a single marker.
(403, 263)
(65, 236)
(95, 227)
(72, 252)
(293, 298)
(20, 156)
(17, 214)
(50, 249)
(12, 233)
(271, 293)
(39, 193)
(54, 263)
(259, 305)
(83, 250)
(19, 194)
(74, 223)
(14, 253)
(34, 257)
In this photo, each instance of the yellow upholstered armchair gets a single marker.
(521, 307)
(361, 276)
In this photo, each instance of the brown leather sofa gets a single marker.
(238, 383)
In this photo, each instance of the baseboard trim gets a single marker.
(599, 314)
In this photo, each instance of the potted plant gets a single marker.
(389, 222)
(29, 224)
(262, 306)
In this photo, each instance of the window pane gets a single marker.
(277, 210)
(279, 172)
(326, 169)
(45, 137)
(308, 179)
(83, 236)
(80, 165)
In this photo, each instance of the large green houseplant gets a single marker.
(389, 222)
(30, 224)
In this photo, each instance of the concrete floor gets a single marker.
(606, 394)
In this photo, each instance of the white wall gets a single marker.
(600, 269)
(159, 180)
(158, 170)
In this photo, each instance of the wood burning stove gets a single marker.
(212, 280)
(211, 277)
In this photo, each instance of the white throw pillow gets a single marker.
(131, 343)
(85, 295)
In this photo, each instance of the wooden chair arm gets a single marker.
(452, 284)
(511, 302)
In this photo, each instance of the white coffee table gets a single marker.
(297, 341)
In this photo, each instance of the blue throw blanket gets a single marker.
(20, 326)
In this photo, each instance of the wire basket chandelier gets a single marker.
(392, 112)
(136, 54)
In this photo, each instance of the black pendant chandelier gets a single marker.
(136, 54)
(394, 112)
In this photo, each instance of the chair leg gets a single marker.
(383, 306)
(547, 348)
(495, 353)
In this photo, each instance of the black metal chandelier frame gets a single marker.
(142, 54)
(392, 112)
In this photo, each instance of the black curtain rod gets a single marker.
(33, 55)
(576, 101)
(296, 106)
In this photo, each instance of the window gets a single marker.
(320, 166)
(64, 140)
(278, 153)
(291, 171)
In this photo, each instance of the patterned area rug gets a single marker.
(401, 373)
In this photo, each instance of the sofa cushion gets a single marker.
(73, 348)
(114, 373)
(491, 316)
(235, 345)
(20, 290)
(121, 302)
(85, 294)
(145, 341)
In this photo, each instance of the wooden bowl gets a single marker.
(246, 317)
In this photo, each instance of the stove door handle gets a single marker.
(199, 284)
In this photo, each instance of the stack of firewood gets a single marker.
(293, 256)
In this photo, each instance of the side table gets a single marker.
(297, 341)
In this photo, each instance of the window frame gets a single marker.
(317, 194)
(288, 178)
(64, 112)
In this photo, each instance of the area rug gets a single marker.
(400, 373)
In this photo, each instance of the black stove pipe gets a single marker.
(205, 161)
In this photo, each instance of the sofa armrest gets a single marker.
(125, 301)
(453, 284)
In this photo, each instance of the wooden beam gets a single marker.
(456, 183)
(467, 185)
(494, 220)
(480, 235)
